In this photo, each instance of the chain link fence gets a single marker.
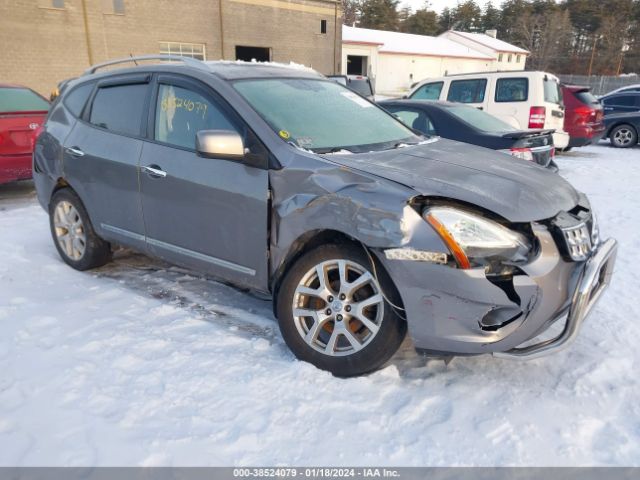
(600, 85)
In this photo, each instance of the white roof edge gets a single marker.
(489, 42)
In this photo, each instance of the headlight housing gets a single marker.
(475, 240)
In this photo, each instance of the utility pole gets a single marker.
(593, 53)
(87, 36)
(623, 50)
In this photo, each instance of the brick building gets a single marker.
(45, 41)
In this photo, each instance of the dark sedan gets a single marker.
(622, 129)
(471, 125)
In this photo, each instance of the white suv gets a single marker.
(522, 99)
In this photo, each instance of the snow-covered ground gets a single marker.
(142, 363)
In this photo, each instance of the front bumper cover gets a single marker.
(446, 307)
(594, 280)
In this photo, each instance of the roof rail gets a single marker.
(192, 62)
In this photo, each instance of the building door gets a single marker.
(250, 54)
(357, 65)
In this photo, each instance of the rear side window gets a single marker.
(21, 100)
(624, 100)
(416, 119)
(467, 91)
(119, 108)
(181, 113)
(512, 90)
(429, 91)
(552, 92)
(76, 98)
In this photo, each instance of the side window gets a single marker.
(77, 97)
(119, 108)
(181, 113)
(429, 91)
(417, 120)
(467, 91)
(512, 90)
(624, 101)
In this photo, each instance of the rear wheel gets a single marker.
(73, 234)
(333, 312)
(623, 136)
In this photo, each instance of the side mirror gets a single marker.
(224, 144)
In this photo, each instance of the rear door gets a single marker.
(209, 214)
(470, 91)
(101, 157)
(553, 103)
(22, 111)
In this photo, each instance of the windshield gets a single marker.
(21, 100)
(323, 116)
(480, 120)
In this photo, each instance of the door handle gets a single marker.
(75, 151)
(154, 171)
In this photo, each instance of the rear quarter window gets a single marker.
(586, 97)
(21, 100)
(552, 92)
(512, 90)
(624, 100)
(77, 98)
(467, 91)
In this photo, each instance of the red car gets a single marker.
(584, 116)
(22, 113)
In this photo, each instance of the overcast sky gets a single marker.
(438, 5)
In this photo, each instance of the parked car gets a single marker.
(622, 129)
(470, 125)
(357, 83)
(526, 100)
(583, 119)
(22, 113)
(621, 102)
(282, 181)
(628, 88)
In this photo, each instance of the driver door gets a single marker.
(206, 213)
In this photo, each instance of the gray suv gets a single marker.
(282, 181)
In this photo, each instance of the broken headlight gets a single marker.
(475, 240)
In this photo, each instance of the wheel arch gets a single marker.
(315, 238)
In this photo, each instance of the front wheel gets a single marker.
(623, 136)
(333, 311)
(72, 232)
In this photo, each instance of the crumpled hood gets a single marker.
(517, 190)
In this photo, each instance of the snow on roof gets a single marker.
(396, 42)
(490, 42)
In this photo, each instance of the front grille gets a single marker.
(578, 241)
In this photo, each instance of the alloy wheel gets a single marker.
(69, 230)
(338, 307)
(623, 137)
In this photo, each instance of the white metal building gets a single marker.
(394, 61)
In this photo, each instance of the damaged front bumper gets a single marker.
(465, 312)
(595, 278)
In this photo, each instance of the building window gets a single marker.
(193, 50)
(517, 58)
(500, 57)
(118, 7)
(323, 26)
(509, 58)
(57, 3)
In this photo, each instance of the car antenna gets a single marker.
(134, 60)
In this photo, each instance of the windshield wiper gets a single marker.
(331, 150)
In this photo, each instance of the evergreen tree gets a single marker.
(490, 18)
(380, 15)
(445, 21)
(467, 17)
(422, 22)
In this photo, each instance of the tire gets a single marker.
(369, 332)
(566, 149)
(623, 136)
(73, 234)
